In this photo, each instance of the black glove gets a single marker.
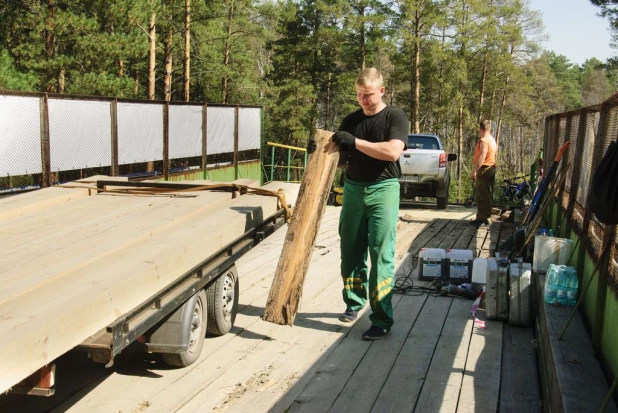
(346, 141)
(312, 145)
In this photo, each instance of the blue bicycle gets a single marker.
(513, 192)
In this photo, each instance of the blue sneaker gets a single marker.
(375, 333)
(348, 316)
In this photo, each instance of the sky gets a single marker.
(574, 29)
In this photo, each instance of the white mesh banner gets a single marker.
(20, 135)
(185, 131)
(140, 132)
(249, 128)
(220, 130)
(79, 134)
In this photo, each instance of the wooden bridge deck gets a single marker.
(435, 359)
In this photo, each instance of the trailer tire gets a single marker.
(198, 332)
(223, 302)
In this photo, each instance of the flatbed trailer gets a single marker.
(174, 320)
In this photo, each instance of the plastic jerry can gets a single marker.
(431, 264)
(479, 271)
(459, 265)
(550, 250)
(496, 296)
(519, 306)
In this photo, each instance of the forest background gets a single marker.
(447, 63)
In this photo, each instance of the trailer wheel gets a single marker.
(223, 302)
(196, 340)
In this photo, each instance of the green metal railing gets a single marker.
(289, 166)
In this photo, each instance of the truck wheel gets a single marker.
(196, 340)
(442, 202)
(223, 302)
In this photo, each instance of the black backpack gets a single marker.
(604, 188)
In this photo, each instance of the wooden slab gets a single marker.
(573, 375)
(80, 301)
(405, 381)
(289, 279)
(440, 391)
(365, 384)
(519, 383)
(481, 379)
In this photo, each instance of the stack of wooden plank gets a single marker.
(73, 260)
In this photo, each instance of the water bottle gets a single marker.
(562, 286)
(544, 232)
(573, 286)
(551, 232)
(550, 285)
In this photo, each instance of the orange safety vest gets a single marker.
(490, 158)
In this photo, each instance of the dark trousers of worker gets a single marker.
(483, 189)
(367, 227)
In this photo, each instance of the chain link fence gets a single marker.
(590, 131)
(48, 139)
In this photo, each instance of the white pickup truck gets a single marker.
(424, 168)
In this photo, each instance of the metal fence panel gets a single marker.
(79, 134)
(185, 131)
(587, 154)
(220, 130)
(140, 132)
(249, 128)
(20, 135)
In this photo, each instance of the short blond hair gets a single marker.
(370, 75)
(485, 125)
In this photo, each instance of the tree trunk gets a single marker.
(416, 72)
(327, 108)
(120, 68)
(187, 61)
(459, 150)
(49, 45)
(226, 54)
(483, 83)
(167, 79)
(363, 46)
(491, 106)
(152, 37)
(136, 85)
(61, 80)
(506, 85)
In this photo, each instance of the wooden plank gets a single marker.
(437, 239)
(491, 243)
(428, 233)
(363, 387)
(519, 383)
(62, 247)
(81, 301)
(481, 381)
(440, 390)
(454, 235)
(575, 378)
(330, 378)
(401, 390)
(286, 290)
(477, 243)
(468, 234)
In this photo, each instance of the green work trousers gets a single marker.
(483, 189)
(367, 227)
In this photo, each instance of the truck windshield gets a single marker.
(422, 142)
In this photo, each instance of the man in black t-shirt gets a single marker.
(372, 139)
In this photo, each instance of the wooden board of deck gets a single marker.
(434, 359)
